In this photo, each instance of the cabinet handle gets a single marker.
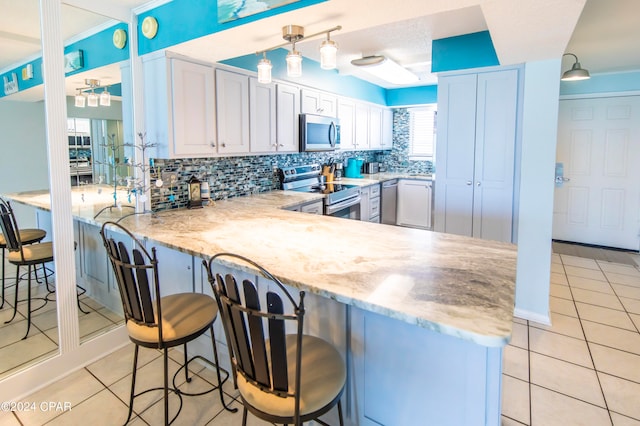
(477, 183)
(469, 182)
(213, 145)
(281, 145)
(224, 145)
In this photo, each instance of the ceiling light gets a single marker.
(328, 53)
(385, 69)
(264, 70)
(105, 98)
(576, 72)
(293, 34)
(80, 100)
(92, 99)
(294, 63)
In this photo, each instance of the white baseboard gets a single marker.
(532, 316)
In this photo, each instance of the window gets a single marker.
(422, 132)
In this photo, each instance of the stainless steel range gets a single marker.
(340, 200)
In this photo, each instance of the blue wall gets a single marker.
(98, 51)
(412, 96)
(463, 52)
(603, 83)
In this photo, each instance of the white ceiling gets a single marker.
(605, 37)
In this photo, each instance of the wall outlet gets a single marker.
(169, 178)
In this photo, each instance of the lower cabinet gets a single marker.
(414, 203)
(370, 203)
(313, 207)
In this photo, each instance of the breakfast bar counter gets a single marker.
(421, 316)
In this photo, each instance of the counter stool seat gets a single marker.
(27, 236)
(34, 254)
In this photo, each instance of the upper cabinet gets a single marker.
(364, 126)
(287, 112)
(232, 104)
(316, 102)
(179, 107)
(387, 129)
(262, 116)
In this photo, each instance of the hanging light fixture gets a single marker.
(92, 99)
(576, 72)
(80, 99)
(294, 63)
(293, 34)
(264, 69)
(105, 97)
(328, 54)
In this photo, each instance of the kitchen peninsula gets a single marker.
(421, 317)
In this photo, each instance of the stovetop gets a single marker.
(308, 179)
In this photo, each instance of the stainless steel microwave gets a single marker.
(319, 133)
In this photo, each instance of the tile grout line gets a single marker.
(604, 398)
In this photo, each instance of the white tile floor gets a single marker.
(582, 370)
(585, 368)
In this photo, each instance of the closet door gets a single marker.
(495, 136)
(455, 154)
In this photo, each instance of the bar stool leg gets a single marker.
(166, 387)
(215, 357)
(133, 383)
(28, 300)
(15, 305)
(1, 305)
(186, 365)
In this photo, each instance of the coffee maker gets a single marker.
(338, 172)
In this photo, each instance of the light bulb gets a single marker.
(105, 98)
(80, 101)
(92, 100)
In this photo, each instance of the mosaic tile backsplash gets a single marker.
(237, 176)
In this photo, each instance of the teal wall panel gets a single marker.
(412, 96)
(463, 52)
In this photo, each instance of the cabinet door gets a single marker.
(365, 209)
(414, 203)
(175, 270)
(232, 103)
(455, 156)
(313, 208)
(262, 116)
(387, 129)
(193, 109)
(362, 126)
(287, 112)
(347, 116)
(375, 127)
(315, 102)
(494, 155)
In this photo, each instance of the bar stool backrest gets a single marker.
(9, 226)
(257, 352)
(132, 275)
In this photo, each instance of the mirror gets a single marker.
(24, 166)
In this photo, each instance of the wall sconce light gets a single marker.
(576, 72)
(293, 34)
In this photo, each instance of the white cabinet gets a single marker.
(387, 129)
(375, 127)
(175, 270)
(316, 102)
(370, 203)
(347, 117)
(232, 105)
(262, 116)
(179, 107)
(475, 154)
(362, 126)
(287, 112)
(313, 207)
(414, 203)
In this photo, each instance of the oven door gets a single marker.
(347, 209)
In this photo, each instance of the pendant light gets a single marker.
(105, 98)
(293, 34)
(92, 99)
(264, 69)
(576, 72)
(328, 53)
(80, 100)
(294, 63)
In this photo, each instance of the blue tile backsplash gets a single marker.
(236, 176)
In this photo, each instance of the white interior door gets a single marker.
(599, 147)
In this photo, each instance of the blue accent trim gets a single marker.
(604, 83)
(184, 20)
(314, 76)
(98, 50)
(463, 52)
(412, 96)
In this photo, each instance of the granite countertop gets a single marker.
(459, 286)
(372, 179)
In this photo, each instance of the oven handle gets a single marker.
(331, 209)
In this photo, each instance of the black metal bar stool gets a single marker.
(158, 322)
(282, 377)
(26, 236)
(23, 255)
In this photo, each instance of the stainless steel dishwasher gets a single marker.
(389, 201)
